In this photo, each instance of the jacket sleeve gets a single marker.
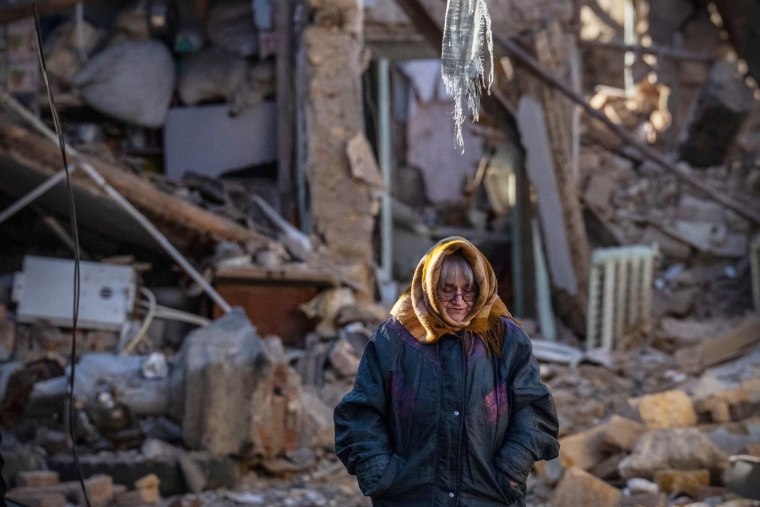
(533, 426)
(361, 437)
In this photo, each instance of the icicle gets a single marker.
(467, 25)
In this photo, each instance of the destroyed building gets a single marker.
(254, 182)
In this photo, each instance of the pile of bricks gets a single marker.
(42, 488)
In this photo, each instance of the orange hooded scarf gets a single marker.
(422, 313)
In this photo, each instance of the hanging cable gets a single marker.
(75, 235)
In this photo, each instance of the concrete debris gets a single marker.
(221, 369)
(743, 476)
(673, 434)
(579, 488)
(725, 100)
(326, 306)
(668, 409)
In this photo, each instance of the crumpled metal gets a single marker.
(466, 31)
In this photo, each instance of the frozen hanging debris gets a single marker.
(466, 28)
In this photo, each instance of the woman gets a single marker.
(448, 407)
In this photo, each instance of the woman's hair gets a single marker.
(456, 266)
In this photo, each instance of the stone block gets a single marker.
(607, 469)
(318, 430)
(644, 500)
(99, 490)
(37, 478)
(344, 357)
(621, 433)
(126, 468)
(232, 391)
(668, 409)
(639, 485)
(718, 407)
(147, 489)
(581, 489)
(582, 450)
(36, 498)
(682, 481)
(130, 499)
(680, 448)
(276, 423)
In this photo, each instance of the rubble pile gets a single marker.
(223, 408)
(658, 428)
(179, 402)
(670, 421)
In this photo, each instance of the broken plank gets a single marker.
(730, 344)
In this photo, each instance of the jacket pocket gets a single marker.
(512, 493)
(387, 479)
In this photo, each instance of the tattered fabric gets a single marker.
(467, 26)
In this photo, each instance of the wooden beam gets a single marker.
(656, 50)
(425, 23)
(17, 12)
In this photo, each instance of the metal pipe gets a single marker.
(33, 195)
(629, 37)
(384, 159)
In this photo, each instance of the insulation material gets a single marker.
(467, 27)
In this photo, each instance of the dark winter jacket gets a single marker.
(434, 424)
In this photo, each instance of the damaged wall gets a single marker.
(342, 205)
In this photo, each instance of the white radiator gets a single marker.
(620, 293)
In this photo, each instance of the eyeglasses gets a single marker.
(451, 293)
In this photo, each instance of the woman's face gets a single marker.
(457, 297)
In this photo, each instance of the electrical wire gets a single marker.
(164, 312)
(147, 321)
(156, 311)
(75, 235)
